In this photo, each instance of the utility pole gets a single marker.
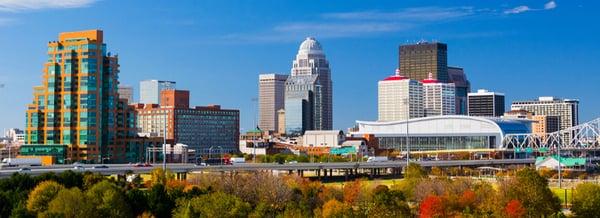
(255, 101)
(407, 102)
(559, 173)
(165, 142)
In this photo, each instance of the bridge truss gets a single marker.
(584, 136)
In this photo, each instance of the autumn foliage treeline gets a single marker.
(70, 194)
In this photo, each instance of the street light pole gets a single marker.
(255, 101)
(407, 103)
(165, 143)
(220, 154)
(559, 174)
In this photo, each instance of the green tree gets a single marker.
(14, 192)
(216, 204)
(158, 176)
(415, 171)
(70, 203)
(388, 203)
(414, 174)
(108, 200)
(137, 199)
(279, 158)
(303, 158)
(532, 191)
(41, 195)
(159, 202)
(90, 179)
(71, 179)
(586, 200)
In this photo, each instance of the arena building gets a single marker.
(443, 133)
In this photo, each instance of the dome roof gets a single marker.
(310, 46)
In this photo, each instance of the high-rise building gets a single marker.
(544, 124)
(281, 121)
(308, 91)
(399, 98)
(175, 98)
(204, 129)
(418, 60)
(271, 96)
(126, 92)
(76, 114)
(486, 104)
(457, 76)
(150, 90)
(438, 98)
(566, 109)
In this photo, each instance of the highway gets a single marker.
(114, 169)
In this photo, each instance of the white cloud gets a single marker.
(412, 14)
(524, 8)
(26, 5)
(340, 29)
(363, 23)
(518, 10)
(550, 5)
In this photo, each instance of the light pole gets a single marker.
(165, 142)
(255, 101)
(407, 103)
(559, 174)
(220, 154)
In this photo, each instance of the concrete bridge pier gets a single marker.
(345, 174)
(181, 176)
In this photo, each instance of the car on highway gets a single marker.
(79, 168)
(142, 165)
(201, 164)
(25, 169)
(100, 167)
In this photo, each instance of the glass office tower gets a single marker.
(76, 114)
(309, 85)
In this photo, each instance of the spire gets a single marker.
(430, 79)
(396, 76)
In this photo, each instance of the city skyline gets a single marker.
(516, 59)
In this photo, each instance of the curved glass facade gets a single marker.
(444, 133)
(432, 143)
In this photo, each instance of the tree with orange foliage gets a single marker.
(514, 209)
(334, 208)
(468, 199)
(352, 192)
(432, 206)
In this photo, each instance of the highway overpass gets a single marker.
(122, 169)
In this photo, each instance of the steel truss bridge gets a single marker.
(585, 136)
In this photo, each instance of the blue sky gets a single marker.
(216, 49)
